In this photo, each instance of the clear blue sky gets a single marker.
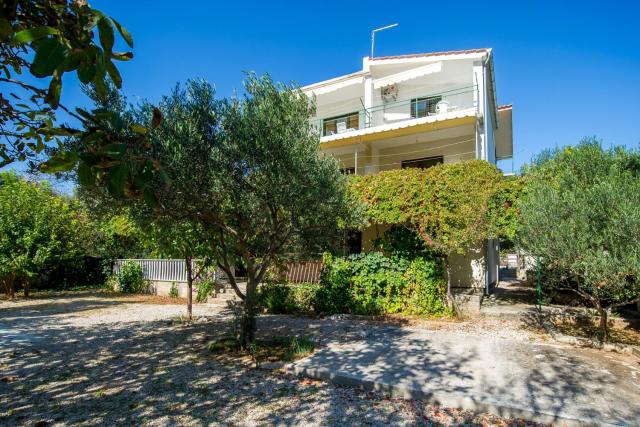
(571, 69)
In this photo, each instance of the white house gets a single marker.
(418, 110)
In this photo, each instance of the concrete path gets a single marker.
(541, 382)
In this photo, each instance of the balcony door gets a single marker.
(423, 107)
(341, 124)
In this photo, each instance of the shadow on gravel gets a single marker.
(128, 373)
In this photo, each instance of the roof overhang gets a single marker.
(333, 85)
(430, 57)
(403, 76)
(408, 127)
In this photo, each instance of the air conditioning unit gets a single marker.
(389, 93)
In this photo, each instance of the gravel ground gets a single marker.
(95, 359)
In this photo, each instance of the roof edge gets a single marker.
(443, 53)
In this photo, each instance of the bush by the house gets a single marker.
(374, 283)
(173, 290)
(285, 298)
(205, 289)
(130, 279)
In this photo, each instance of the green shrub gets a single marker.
(334, 295)
(402, 241)
(299, 348)
(205, 289)
(375, 284)
(173, 291)
(288, 299)
(131, 279)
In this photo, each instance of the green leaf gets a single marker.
(49, 56)
(139, 129)
(123, 32)
(61, 162)
(5, 29)
(115, 150)
(86, 177)
(73, 60)
(105, 31)
(117, 179)
(101, 87)
(55, 89)
(31, 34)
(113, 73)
(86, 73)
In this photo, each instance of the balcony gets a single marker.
(427, 108)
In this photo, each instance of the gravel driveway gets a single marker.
(96, 359)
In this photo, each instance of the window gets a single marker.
(423, 163)
(423, 107)
(348, 171)
(340, 124)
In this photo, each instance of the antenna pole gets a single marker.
(373, 35)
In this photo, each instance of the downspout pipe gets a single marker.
(489, 255)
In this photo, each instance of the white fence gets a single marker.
(161, 270)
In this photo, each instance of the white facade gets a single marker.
(417, 111)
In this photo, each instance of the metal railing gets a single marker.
(424, 105)
(163, 270)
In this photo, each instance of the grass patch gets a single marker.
(273, 350)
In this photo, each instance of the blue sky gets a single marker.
(571, 69)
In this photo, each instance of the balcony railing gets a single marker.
(428, 104)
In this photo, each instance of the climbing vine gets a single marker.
(452, 206)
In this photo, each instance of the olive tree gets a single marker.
(277, 194)
(580, 215)
(248, 173)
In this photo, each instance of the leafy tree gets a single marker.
(49, 38)
(277, 194)
(37, 227)
(453, 207)
(580, 214)
(247, 172)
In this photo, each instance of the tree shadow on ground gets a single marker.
(160, 373)
(157, 373)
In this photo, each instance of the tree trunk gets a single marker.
(604, 327)
(11, 286)
(248, 321)
(189, 287)
(26, 287)
(450, 301)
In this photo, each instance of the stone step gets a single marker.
(230, 290)
(218, 301)
(226, 296)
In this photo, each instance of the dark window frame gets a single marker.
(430, 103)
(354, 116)
(413, 163)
